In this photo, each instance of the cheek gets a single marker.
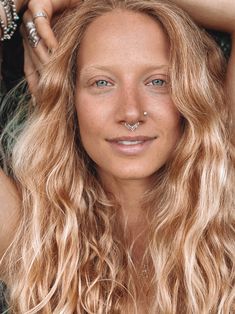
(88, 131)
(173, 125)
(87, 127)
(92, 109)
(169, 120)
(174, 121)
(91, 121)
(166, 115)
(86, 111)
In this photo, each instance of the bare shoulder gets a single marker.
(9, 211)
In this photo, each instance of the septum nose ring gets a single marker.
(133, 127)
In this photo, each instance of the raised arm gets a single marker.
(219, 15)
(39, 37)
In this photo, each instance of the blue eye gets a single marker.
(102, 83)
(158, 82)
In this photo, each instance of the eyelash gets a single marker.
(95, 84)
(159, 80)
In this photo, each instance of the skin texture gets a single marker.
(217, 15)
(131, 70)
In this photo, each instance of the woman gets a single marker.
(124, 170)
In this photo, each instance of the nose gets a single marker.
(130, 107)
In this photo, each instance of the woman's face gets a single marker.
(123, 72)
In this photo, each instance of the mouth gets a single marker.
(131, 145)
(129, 142)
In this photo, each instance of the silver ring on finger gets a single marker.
(32, 34)
(39, 14)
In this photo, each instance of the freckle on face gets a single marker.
(127, 50)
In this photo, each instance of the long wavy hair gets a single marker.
(69, 254)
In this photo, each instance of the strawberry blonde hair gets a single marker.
(68, 255)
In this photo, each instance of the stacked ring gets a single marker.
(32, 34)
(39, 14)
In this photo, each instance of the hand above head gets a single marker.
(41, 13)
(39, 39)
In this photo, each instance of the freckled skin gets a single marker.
(123, 71)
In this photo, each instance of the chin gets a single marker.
(134, 174)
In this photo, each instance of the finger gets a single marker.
(39, 53)
(45, 32)
(31, 73)
(35, 60)
(42, 23)
(40, 50)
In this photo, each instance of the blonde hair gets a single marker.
(68, 255)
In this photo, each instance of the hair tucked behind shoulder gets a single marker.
(68, 256)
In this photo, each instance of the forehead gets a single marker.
(122, 37)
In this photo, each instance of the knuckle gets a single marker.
(26, 16)
(31, 5)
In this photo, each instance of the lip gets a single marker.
(131, 145)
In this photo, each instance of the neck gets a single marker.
(129, 194)
(133, 218)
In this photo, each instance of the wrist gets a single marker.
(20, 4)
(75, 2)
(60, 5)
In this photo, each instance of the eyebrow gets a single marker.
(108, 68)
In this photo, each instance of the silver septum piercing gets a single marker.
(132, 127)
